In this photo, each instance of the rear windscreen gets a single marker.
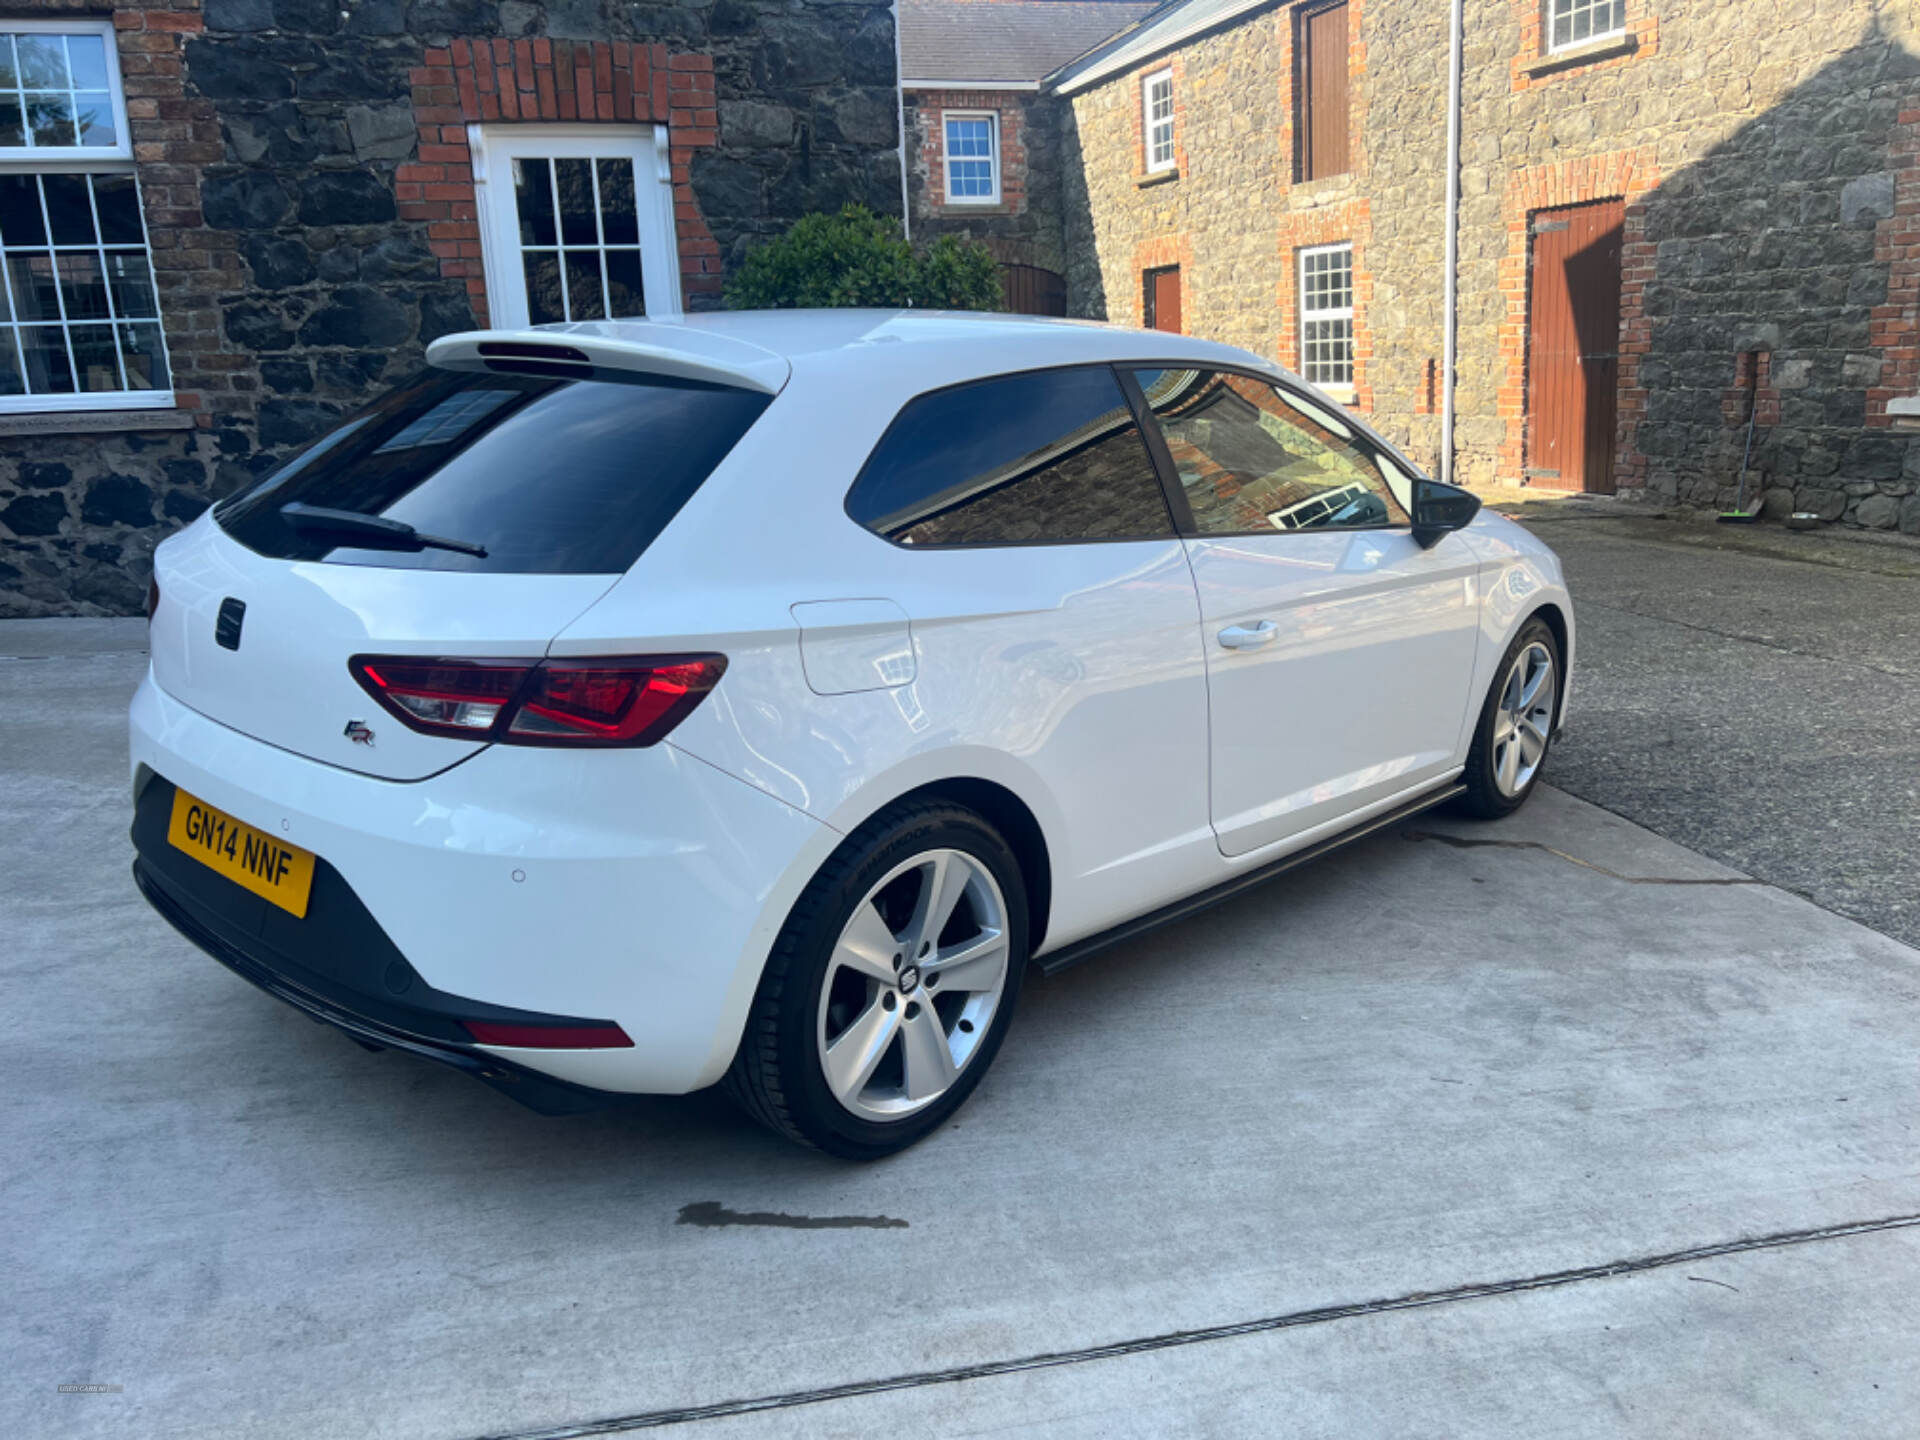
(551, 477)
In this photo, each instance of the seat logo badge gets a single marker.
(908, 978)
(358, 732)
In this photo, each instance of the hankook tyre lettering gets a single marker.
(758, 694)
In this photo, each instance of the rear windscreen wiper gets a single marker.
(371, 532)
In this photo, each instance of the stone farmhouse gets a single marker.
(1679, 220)
(226, 223)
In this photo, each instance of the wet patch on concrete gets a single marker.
(712, 1215)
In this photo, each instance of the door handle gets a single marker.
(1246, 637)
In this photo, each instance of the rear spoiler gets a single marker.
(674, 352)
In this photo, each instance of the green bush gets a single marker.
(857, 258)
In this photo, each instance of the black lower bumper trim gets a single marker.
(337, 964)
(538, 1092)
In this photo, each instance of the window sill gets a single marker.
(92, 422)
(975, 207)
(1344, 394)
(1322, 185)
(1586, 54)
(1156, 177)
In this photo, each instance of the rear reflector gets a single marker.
(614, 701)
(550, 1037)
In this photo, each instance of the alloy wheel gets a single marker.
(1523, 720)
(912, 985)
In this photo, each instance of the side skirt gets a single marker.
(1068, 956)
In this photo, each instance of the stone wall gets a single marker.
(1769, 159)
(1216, 213)
(299, 268)
(1761, 155)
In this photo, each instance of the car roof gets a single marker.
(751, 343)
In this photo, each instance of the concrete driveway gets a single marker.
(1753, 694)
(1550, 1127)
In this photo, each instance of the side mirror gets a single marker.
(1440, 509)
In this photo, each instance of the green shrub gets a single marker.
(857, 258)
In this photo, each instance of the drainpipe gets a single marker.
(1456, 30)
(900, 111)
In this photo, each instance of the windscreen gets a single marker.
(549, 476)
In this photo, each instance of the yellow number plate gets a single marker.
(280, 872)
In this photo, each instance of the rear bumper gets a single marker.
(638, 887)
(536, 1091)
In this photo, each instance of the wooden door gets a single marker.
(1030, 290)
(1324, 113)
(1573, 346)
(1162, 298)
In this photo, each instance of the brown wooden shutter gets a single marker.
(1324, 117)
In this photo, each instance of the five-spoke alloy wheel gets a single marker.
(913, 984)
(1523, 719)
(1516, 725)
(891, 985)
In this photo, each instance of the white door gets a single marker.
(1339, 651)
(576, 222)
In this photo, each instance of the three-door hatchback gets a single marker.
(631, 706)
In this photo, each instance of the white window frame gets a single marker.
(494, 149)
(992, 117)
(74, 157)
(1342, 392)
(1149, 127)
(1554, 6)
(77, 160)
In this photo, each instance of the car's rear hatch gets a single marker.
(284, 679)
(561, 473)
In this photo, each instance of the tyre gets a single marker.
(891, 985)
(1516, 726)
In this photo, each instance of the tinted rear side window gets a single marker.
(1051, 455)
(550, 476)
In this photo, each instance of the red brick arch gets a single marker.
(492, 80)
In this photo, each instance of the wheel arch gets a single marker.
(1556, 620)
(1017, 824)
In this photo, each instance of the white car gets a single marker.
(631, 706)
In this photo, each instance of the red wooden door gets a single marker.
(1573, 346)
(1163, 299)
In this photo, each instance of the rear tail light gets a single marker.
(624, 700)
(606, 1036)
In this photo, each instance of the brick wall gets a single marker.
(474, 81)
(1024, 228)
(309, 203)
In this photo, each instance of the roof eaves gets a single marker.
(921, 83)
(1106, 59)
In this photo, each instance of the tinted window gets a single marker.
(551, 476)
(1053, 455)
(1253, 460)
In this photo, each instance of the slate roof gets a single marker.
(1169, 25)
(1017, 41)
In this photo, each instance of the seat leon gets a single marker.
(634, 706)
